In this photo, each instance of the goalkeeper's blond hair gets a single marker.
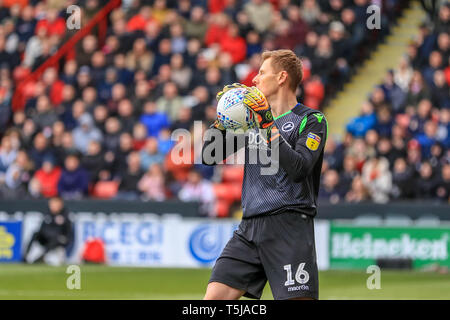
(286, 60)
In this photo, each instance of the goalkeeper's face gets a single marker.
(267, 79)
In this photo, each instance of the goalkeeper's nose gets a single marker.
(255, 80)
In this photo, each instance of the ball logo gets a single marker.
(206, 242)
(288, 126)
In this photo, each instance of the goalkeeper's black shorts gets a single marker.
(279, 248)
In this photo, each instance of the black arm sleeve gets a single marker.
(219, 145)
(299, 160)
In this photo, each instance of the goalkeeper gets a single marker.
(275, 239)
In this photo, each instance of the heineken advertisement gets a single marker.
(358, 247)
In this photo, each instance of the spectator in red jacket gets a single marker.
(218, 27)
(55, 25)
(46, 179)
(140, 21)
(234, 44)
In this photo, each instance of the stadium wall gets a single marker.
(163, 238)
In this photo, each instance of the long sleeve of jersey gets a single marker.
(219, 145)
(299, 160)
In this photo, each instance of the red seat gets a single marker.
(233, 174)
(222, 208)
(105, 189)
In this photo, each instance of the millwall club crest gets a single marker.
(288, 126)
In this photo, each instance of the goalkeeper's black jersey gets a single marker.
(290, 182)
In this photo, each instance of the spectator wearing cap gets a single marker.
(85, 132)
(74, 181)
(47, 178)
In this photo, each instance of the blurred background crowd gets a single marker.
(99, 124)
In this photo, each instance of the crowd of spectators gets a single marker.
(398, 148)
(106, 114)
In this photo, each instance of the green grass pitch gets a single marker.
(102, 282)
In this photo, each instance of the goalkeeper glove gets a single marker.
(216, 124)
(229, 87)
(256, 102)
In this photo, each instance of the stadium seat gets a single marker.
(428, 221)
(233, 174)
(222, 208)
(368, 220)
(105, 189)
(394, 220)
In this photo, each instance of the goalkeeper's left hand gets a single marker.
(256, 102)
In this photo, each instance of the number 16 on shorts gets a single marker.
(301, 275)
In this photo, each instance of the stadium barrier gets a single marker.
(143, 234)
